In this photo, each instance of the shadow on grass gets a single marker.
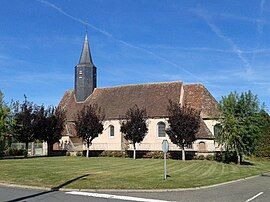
(54, 189)
(247, 163)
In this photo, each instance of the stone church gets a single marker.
(115, 101)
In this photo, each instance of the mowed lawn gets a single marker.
(122, 173)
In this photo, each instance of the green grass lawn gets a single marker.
(122, 173)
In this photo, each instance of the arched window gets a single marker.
(111, 131)
(201, 146)
(217, 129)
(161, 129)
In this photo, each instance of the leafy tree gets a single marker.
(4, 122)
(263, 144)
(134, 127)
(184, 123)
(49, 124)
(89, 124)
(25, 122)
(242, 123)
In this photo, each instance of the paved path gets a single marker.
(254, 189)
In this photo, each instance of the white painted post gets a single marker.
(165, 171)
(165, 149)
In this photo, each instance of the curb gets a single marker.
(126, 190)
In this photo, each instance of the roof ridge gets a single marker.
(193, 84)
(140, 84)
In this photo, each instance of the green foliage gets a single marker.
(156, 155)
(134, 126)
(14, 152)
(114, 154)
(89, 124)
(263, 146)
(24, 116)
(79, 153)
(242, 123)
(210, 157)
(48, 125)
(200, 157)
(6, 123)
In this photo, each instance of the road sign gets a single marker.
(165, 146)
(165, 149)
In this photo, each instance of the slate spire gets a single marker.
(86, 55)
(85, 74)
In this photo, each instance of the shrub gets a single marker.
(114, 154)
(200, 157)
(79, 153)
(210, 157)
(218, 156)
(229, 156)
(14, 152)
(155, 155)
(67, 153)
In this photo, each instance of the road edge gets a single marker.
(125, 190)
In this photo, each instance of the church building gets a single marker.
(115, 101)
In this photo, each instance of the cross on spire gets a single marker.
(86, 26)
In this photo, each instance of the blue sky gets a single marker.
(223, 44)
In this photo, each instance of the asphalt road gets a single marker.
(254, 189)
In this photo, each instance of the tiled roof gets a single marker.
(204, 132)
(198, 97)
(115, 101)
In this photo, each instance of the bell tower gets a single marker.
(85, 74)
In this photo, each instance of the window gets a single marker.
(111, 131)
(161, 129)
(80, 74)
(217, 129)
(189, 146)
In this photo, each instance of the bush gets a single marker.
(67, 153)
(218, 156)
(79, 154)
(14, 152)
(200, 157)
(210, 157)
(114, 154)
(156, 155)
(229, 156)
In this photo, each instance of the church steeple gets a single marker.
(85, 74)
(86, 55)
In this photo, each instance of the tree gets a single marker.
(49, 124)
(89, 124)
(242, 123)
(263, 144)
(134, 127)
(25, 122)
(184, 123)
(5, 122)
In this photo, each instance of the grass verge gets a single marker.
(122, 173)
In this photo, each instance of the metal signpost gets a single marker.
(165, 149)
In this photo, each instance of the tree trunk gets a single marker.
(33, 148)
(26, 148)
(183, 154)
(134, 151)
(49, 148)
(238, 158)
(87, 151)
